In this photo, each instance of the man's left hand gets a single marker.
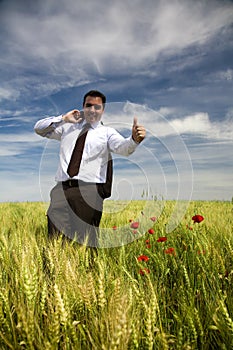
(138, 131)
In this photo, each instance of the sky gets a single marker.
(170, 63)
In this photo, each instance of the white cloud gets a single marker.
(75, 39)
(10, 150)
(23, 137)
(16, 144)
(8, 93)
(161, 124)
(167, 111)
(197, 124)
(183, 23)
(226, 75)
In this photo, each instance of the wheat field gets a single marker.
(161, 290)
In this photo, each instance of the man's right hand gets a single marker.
(74, 116)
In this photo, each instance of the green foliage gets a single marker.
(57, 295)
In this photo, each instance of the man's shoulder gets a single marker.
(108, 130)
(68, 128)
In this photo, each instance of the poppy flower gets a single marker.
(170, 251)
(144, 271)
(151, 231)
(162, 239)
(114, 227)
(148, 246)
(153, 218)
(134, 224)
(197, 218)
(143, 258)
(147, 241)
(199, 252)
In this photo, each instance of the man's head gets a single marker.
(93, 106)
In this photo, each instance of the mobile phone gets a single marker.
(81, 115)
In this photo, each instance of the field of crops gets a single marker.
(162, 290)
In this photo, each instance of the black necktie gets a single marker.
(76, 157)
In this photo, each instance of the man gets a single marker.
(77, 199)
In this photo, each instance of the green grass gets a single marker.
(53, 297)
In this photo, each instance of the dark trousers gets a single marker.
(75, 211)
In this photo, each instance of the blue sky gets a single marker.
(168, 62)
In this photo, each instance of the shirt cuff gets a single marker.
(57, 121)
(132, 145)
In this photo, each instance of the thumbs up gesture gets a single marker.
(138, 131)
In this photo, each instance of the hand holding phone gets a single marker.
(74, 116)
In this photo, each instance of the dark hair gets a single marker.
(95, 93)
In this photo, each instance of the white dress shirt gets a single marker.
(99, 139)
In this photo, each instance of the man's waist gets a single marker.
(77, 183)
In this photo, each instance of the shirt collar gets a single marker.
(93, 125)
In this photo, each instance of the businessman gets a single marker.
(84, 175)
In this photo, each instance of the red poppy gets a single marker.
(147, 241)
(199, 252)
(143, 258)
(189, 227)
(148, 246)
(170, 251)
(197, 218)
(162, 239)
(151, 231)
(153, 218)
(144, 271)
(114, 227)
(134, 224)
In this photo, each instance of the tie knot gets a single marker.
(86, 127)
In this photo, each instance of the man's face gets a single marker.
(93, 109)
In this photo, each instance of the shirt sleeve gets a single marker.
(120, 145)
(50, 127)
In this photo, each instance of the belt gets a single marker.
(76, 183)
